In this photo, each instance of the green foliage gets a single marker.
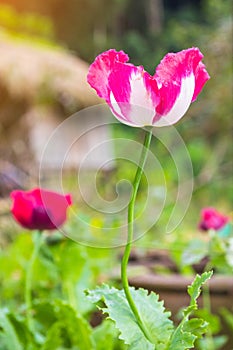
(151, 310)
(228, 317)
(163, 336)
(195, 289)
(194, 252)
(218, 251)
(54, 337)
(8, 335)
(215, 343)
(62, 270)
(216, 10)
(62, 328)
(188, 330)
(213, 340)
(26, 23)
(69, 330)
(214, 325)
(185, 336)
(61, 311)
(105, 337)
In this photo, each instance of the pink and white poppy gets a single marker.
(138, 99)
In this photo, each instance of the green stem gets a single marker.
(38, 238)
(126, 255)
(207, 306)
(70, 292)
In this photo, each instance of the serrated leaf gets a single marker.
(181, 340)
(188, 331)
(196, 326)
(214, 323)
(151, 310)
(195, 289)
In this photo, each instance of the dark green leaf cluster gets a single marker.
(58, 326)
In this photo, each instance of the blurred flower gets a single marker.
(212, 219)
(40, 209)
(138, 99)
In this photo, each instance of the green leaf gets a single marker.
(74, 280)
(196, 326)
(188, 331)
(25, 336)
(213, 343)
(44, 314)
(219, 257)
(194, 252)
(195, 289)
(74, 327)
(102, 336)
(10, 336)
(219, 341)
(54, 337)
(63, 326)
(214, 323)
(105, 336)
(228, 317)
(181, 340)
(152, 312)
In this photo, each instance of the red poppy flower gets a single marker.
(137, 98)
(40, 209)
(212, 219)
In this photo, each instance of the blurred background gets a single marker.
(45, 50)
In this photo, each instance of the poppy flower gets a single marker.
(40, 209)
(212, 219)
(138, 99)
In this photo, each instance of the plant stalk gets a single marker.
(207, 306)
(38, 238)
(126, 255)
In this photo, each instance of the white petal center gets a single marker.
(181, 104)
(142, 109)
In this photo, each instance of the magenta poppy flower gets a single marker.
(40, 209)
(212, 219)
(138, 99)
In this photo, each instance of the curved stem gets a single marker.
(29, 274)
(126, 255)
